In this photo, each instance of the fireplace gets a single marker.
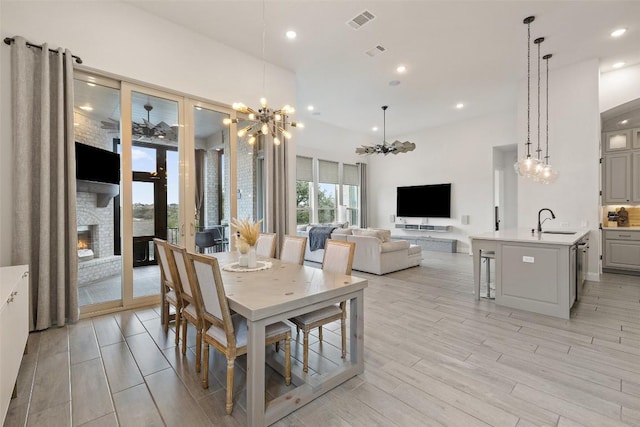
(86, 242)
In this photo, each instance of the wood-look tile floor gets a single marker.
(433, 356)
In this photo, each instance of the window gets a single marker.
(304, 187)
(350, 195)
(328, 180)
(327, 192)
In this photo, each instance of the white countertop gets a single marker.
(524, 235)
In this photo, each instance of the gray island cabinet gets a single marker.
(537, 272)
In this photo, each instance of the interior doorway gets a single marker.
(505, 187)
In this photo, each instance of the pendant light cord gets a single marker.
(528, 88)
(546, 157)
(539, 41)
(264, 36)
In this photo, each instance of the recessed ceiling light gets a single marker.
(375, 128)
(618, 65)
(91, 84)
(459, 105)
(291, 34)
(309, 107)
(86, 107)
(624, 122)
(199, 108)
(618, 32)
(401, 69)
(394, 82)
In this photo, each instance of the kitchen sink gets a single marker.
(558, 232)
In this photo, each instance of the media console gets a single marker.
(425, 227)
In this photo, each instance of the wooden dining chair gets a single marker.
(189, 310)
(171, 286)
(293, 248)
(338, 257)
(266, 245)
(227, 333)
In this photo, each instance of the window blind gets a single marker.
(350, 174)
(328, 172)
(304, 169)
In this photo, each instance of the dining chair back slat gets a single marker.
(338, 256)
(171, 287)
(208, 287)
(181, 268)
(266, 245)
(293, 248)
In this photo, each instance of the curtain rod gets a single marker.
(9, 40)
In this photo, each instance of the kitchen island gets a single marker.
(534, 271)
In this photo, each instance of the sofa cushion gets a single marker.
(367, 232)
(395, 245)
(383, 233)
(344, 231)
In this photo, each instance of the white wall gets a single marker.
(619, 86)
(123, 40)
(460, 154)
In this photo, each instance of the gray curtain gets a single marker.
(44, 190)
(362, 173)
(276, 213)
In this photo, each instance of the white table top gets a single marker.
(523, 235)
(260, 294)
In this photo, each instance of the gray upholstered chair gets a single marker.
(171, 286)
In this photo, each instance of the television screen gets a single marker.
(96, 164)
(424, 201)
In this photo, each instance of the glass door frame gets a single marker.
(189, 201)
(126, 91)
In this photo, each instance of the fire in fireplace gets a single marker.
(85, 242)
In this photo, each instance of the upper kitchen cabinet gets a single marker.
(617, 140)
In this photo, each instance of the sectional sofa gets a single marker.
(375, 252)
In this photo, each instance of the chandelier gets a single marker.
(264, 121)
(386, 148)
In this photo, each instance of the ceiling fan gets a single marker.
(146, 131)
(386, 148)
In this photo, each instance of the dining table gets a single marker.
(277, 291)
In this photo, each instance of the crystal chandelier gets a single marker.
(386, 148)
(264, 121)
(527, 167)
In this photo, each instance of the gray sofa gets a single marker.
(375, 252)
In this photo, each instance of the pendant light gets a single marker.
(527, 166)
(548, 174)
(539, 163)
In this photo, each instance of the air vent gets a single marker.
(375, 51)
(357, 22)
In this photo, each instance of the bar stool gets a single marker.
(487, 256)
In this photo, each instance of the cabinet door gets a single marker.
(617, 178)
(636, 137)
(14, 329)
(617, 140)
(622, 254)
(635, 177)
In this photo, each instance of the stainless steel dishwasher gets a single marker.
(582, 263)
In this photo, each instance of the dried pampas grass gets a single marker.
(249, 231)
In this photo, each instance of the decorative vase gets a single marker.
(251, 257)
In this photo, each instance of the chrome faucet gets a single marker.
(540, 223)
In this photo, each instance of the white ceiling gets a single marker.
(456, 51)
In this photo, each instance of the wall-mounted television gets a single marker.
(424, 201)
(96, 164)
